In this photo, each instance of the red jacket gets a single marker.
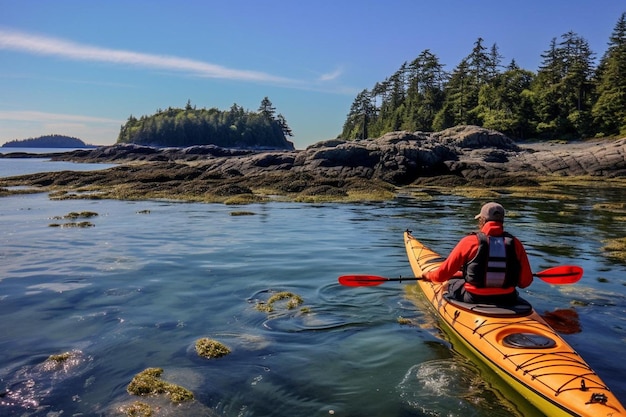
(466, 250)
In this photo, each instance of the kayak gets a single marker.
(519, 346)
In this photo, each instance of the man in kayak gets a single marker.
(493, 263)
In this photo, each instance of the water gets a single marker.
(150, 278)
(10, 167)
(11, 149)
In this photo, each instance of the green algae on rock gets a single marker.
(75, 215)
(208, 348)
(72, 224)
(61, 357)
(148, 382)
(81, 215)
(242, 213)
(615, 249)
(63, 361)
(137, 409)
(294, 300)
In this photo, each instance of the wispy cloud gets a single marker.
(331, 75)
(44, 45)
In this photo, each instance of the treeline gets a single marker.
(189, 126)
(47, 141)
(569, 97)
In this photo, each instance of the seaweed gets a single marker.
(294, 300)
(209, 348)
(148, 382)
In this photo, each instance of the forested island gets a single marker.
(233, 128)
(47, 141)
(568, 98)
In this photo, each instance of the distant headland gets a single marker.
(48, 141)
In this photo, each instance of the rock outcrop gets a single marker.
(468, 152)
(464, 155)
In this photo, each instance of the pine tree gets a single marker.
(563, 87)
(424, 97)
(609, 110)
(362, 114)
(267, 109)
(479, 66)
(545, 91)
(493, 63)
(282, 122)
(504, 104)
(567, 97)
(459, 98)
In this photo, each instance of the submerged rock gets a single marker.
(208, 348)
(149, 382)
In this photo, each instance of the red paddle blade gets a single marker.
(565, 274)
(361, 280)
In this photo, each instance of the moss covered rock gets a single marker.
(208, 348)
(149, 382)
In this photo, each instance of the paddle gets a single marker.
(566, 274)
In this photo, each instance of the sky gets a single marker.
(81, 67)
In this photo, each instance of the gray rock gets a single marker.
(469, 153)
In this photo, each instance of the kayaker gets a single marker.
(493, 263)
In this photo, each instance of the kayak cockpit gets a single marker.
(519, 309)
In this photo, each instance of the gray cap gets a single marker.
(491, 212)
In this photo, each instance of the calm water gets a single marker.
(10, 167)
(150, 278)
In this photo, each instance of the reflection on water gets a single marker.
(151, 277)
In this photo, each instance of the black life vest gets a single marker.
(495, 264)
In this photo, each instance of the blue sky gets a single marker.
(81, 68)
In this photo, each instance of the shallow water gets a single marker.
(138, 288)
(13, 167)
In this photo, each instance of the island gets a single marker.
(48, 141)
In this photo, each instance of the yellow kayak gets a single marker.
(519, 346)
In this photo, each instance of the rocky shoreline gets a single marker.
(329, 170)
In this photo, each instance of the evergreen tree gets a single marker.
(609, 110)
(463, 88)
(545, 91)
(459, 99)
(425, 95)
(390, 110)
(282, 122)
(566, 98)
(562, 91)
(267, 109)
(493, 63)
(361, 113)
(505, 105)
(578, 83)
(479, 66)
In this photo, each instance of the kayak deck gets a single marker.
(519, 346)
